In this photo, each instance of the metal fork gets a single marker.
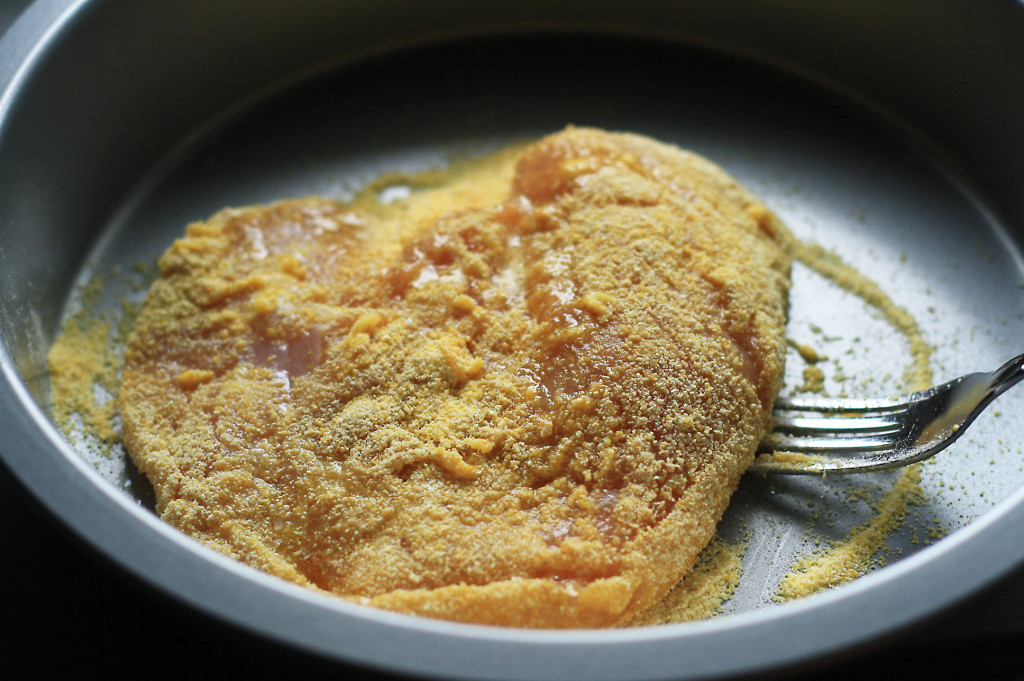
(817, 436)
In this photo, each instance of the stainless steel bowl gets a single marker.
(889, 132)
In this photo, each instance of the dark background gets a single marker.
(63, 610)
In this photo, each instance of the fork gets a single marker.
(818, 436)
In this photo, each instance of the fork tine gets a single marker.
(839, 405)
(833, 426)
(824, 443)
(786, 423)
(819, 435)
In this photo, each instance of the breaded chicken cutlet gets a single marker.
(525, 407)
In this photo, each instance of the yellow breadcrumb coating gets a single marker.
(524, 406)
(702, 593)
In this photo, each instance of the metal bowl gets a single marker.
(888, 132)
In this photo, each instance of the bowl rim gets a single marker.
(146, 549)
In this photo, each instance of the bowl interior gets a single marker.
(83, 227)
(836, 175)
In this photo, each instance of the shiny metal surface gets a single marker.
(838, 119)
(844, 435)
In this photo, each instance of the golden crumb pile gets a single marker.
(522, 399)
(846, 560)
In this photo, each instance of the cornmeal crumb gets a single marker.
(522, 396)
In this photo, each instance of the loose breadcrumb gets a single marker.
(814, 381)
(83, 375)
(703, 592)
(918, 374)
(853, 556)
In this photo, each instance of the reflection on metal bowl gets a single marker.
(880, 131)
